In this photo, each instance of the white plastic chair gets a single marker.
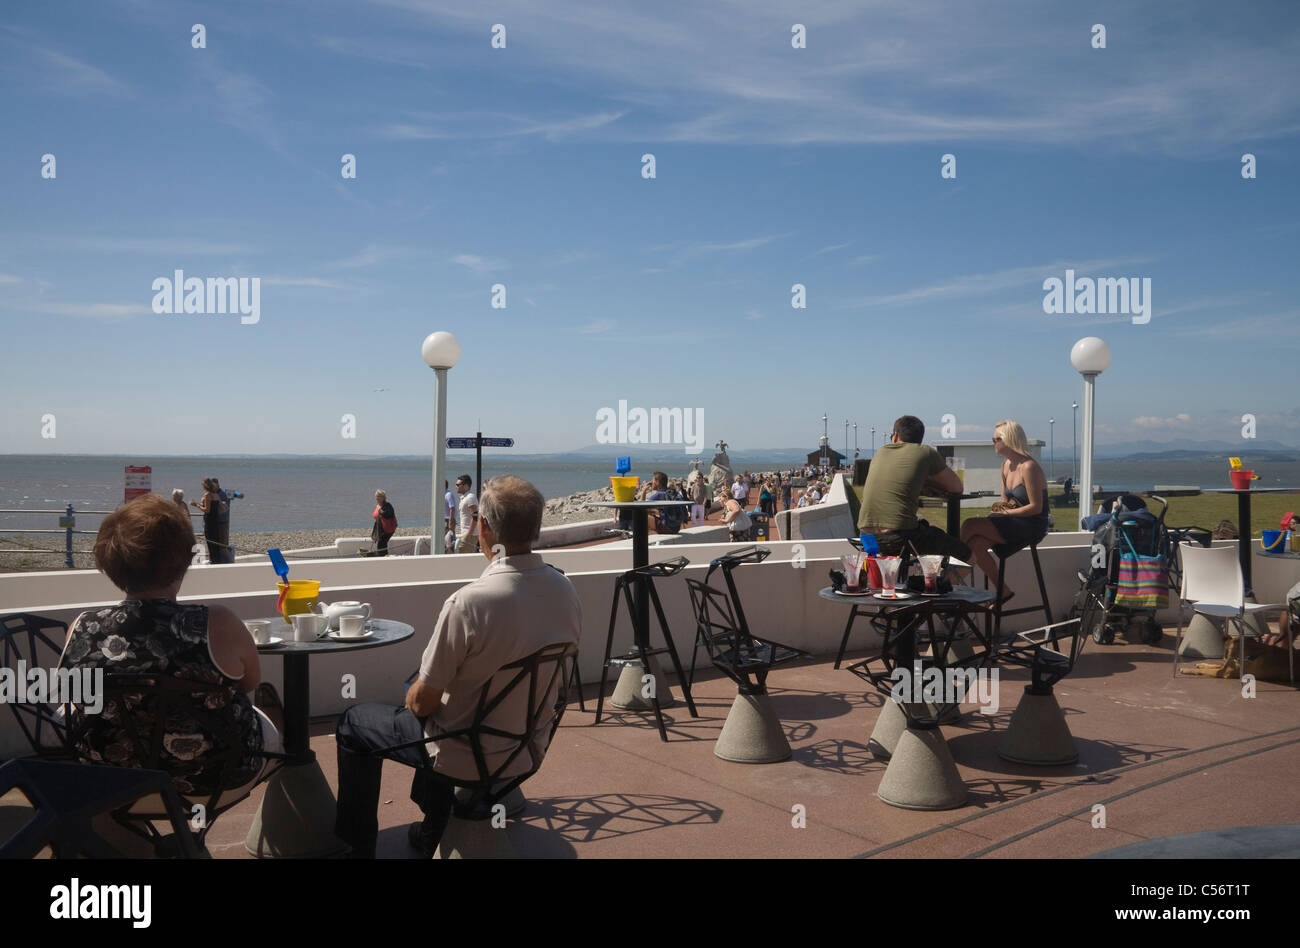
(1214, 587)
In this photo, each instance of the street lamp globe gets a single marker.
(1090, 356)
(440, 350)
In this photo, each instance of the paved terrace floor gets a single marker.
(1166, 756)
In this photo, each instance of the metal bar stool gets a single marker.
(1004, 552)
(630, 693)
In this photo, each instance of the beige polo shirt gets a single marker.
(517, 606)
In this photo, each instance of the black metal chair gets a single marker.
(752, 733)
(146, 703)
(921, 773)
(1038, 733)
(24, 636)
(72, 804)
(1004, 552)
(523, 737)
(628, 690)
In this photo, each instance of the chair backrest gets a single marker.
(1212, 574)
(520, 741)
(67, 799)
(23, 637)
(715, 623)
(137, 712)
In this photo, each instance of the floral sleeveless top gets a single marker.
(160, 636)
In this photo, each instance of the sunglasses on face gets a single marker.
(996, 440)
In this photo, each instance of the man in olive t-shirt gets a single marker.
(899, 472)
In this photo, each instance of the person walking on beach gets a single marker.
(700, 497)
(467, 534)
(385, 523)
(785, 490)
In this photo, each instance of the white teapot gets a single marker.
(335, 610)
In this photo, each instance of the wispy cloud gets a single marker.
(300, 281)
(102, 312)
(897, 72)
(478, 264)
(695, 251)
(825, 250)
(596, 327)
(982, 284)
(8, 278)
(382, 51)
(154, 245)
(495, 126)
(72, 76)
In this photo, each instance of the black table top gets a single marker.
(970, 594)
(386, 632)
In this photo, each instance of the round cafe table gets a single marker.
(296, 816)
(871, 605)
(1243, 521)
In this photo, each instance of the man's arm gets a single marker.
(947, 480)
(422, 700)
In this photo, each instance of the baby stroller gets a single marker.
(1134, 565)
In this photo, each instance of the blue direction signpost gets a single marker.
(478, 443)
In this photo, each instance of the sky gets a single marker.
(522, 166)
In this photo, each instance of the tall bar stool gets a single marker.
(1004, 552)
(638, 660)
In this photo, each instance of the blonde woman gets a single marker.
(1017, 524)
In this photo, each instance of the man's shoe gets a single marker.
(421, 840)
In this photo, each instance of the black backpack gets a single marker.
(672, 518)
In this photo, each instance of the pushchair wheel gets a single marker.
(1103, 635)
(1152, 633)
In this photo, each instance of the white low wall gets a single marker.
(831, 519)
(779, 596)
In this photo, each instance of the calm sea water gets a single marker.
(305, 494)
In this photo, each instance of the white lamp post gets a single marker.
(441, 351)
(1090, 357)
(873, 441)
(1051, 427)
(1074, 443)
(855, 442)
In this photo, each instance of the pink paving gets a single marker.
(1165, 756)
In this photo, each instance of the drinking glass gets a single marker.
(852, 570)
(888, 574)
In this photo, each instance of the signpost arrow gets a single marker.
(478, 443)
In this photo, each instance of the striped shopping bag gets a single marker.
(1143, 582)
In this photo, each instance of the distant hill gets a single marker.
(1186, 449)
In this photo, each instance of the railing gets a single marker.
(67, 524)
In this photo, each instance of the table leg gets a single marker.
(954, 515)
(1243, 537)
(641, 557)
(296, 816)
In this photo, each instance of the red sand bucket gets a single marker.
(1241, 479)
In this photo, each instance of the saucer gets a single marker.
(896, 595)
(340, 637)
(272, 642)
(860, 592)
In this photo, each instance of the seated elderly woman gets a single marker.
(1021, 516)
(145, 547)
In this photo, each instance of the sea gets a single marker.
(306, 493)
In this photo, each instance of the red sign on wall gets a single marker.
(138, 481)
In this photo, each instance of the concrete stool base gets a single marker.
(295, 819)
(960, 650)
(515, 801)
(921, 773)
(1203, 638)
(890, 723)
(627, 693)
(753, 733)
(473, 839)
(1038, 734)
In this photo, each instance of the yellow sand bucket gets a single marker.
(301, 597)
(624, 488)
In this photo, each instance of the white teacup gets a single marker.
(307, 627)
(333, 611)
(351, 626)
(260, 629)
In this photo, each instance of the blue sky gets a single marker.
(522, 166)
